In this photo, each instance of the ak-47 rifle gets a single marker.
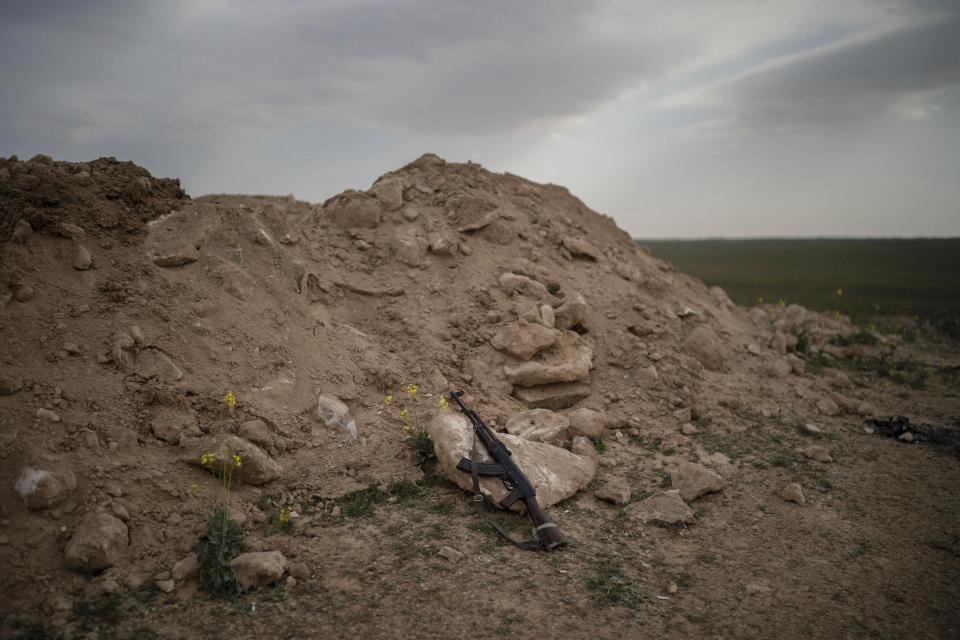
(519, 486)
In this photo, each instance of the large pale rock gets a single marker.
(539, 425)
(615, 490)
(581, 247)
(258, 568)
(693, 480)
(556, 474)
(524, 340)
(663, 506)
(354, 210)
(256, 466)
(587, 422)
(570, 312)
(552, 396)
(522, 285)
(703, 344)
(41, 488)
(389, 191)
(97, 544)
(409, 249)
(570, 361)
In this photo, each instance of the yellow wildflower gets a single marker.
(411, 390)
(389, 399)
(236, 460)
(404, 414)
(443, 401)
(207, 459)
(406, 428)
(760, 300)
(284, 516)
(230, 400)
(839, 291)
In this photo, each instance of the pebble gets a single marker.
(166, 586)
(671, 587)
(47, 414)
(450, 554)
(793, 492)
(688, 429)
(906, 436)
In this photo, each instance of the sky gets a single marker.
(739, 118)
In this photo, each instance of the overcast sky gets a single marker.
(679, 119)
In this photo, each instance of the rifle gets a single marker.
(518, 485)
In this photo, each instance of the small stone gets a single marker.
(571, 312)
(828, 407)
(258, 568)
(9, 384)
(97, 544)
(906, 436)
(450, 554)
(671, 587)
(298, 570)
(257, 432)
(185, 569)
(547, 316)
(166, 586)
(694, 480)
(71, 348)
(290, 582)
(615, 490)
(137, 334)
(688, 429)
(663, 506)
(818, 453)
(810, 429)
(336, 511)
(587, 422)
(47, 414)
(82, 261)
(683, 415)
(793, 493)
(41, 488)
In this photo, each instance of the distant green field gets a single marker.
(861, 278)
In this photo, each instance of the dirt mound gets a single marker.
(131, 310)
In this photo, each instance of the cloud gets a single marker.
(899, 71)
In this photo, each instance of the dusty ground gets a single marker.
(279, 300)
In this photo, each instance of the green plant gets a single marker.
(424, 455)
(222, 542)
(609, 586)
(598, 444)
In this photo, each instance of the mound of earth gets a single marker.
(130, 310)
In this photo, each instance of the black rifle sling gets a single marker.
(526, 545)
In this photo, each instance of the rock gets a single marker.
(671, 587)
(693, 480)
(793, 493)
(582, 446)
(9, 384)
(539, 425)
(581, 247)
(438, 382)
(754, 349)
(389, 191)
(167, 430)
(258, 568)
(556, 474)
(257, 432)
(409, 249)
(827, 407)
(683, 415)
(443, 243)
(663, 506)
(41, 488)
(82, 261)
(866, 409)
(97, 544)
(185, 569)
(137, 191)
(334, 413)
(71, 348)
(136, 334)
(810, 429)
(906, 436)
(450, 554)
(615, 490)
(569, 362)
(523, 341)
(571, 311)
(797, 364)
(552, 396)
(513, 283)
(256, 466)
(688, 429)
(47, 414)
(298, 570)
(778, 368)
(166, 586)
(547, 316)
(25, 293)
(21, 232)
(838, 379)
(818, 453)
(175, 257)
(703, 344)
(353, 210)
(153, 363)
(587, 422)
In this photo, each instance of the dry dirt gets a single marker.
(129, 310)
